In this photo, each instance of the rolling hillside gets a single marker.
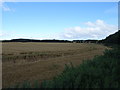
(112, 39)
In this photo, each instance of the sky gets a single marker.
(58, 20)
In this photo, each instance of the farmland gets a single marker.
(42, 61)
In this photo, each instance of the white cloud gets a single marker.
(3, 33)
(94, 30)
(0, 4)
(5, 7)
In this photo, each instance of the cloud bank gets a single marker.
(5, 7)
(93, 30)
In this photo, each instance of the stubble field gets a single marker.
(42, 61)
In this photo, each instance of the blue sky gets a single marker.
(59, 20)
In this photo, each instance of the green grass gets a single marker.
(101, 72)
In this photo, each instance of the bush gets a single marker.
(101, 72)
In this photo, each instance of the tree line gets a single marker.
(111, 39)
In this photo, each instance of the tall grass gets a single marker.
(101, 72)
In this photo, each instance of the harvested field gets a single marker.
(42, 61)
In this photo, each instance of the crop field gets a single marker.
(42, 61)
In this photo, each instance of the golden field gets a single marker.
(42, 61)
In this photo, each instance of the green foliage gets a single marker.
(36, 84)
(101, 72)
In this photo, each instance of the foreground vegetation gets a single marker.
(101, 72)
